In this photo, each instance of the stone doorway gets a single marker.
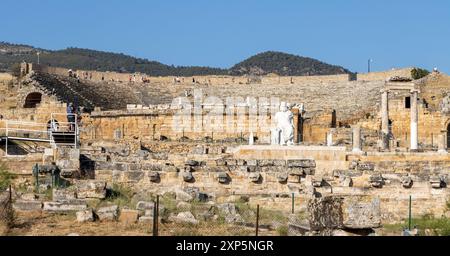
(32, 100)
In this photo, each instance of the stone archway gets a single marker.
(32, 100)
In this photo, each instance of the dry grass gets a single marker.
(45, 224)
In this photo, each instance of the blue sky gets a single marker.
(395, 33)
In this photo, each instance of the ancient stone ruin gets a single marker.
(350, 152)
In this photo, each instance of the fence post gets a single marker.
(155, 216)
(10, 195)
(293, 200)
(257, 219)
(409, 218)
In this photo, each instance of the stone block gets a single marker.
(304, 163)
(153, 176)
(252, 162)
(254, 177)
(280, 163)
(85, 216)
(184, 217)
(361, 212)
(369, 167)
(296, 171)
(436, 181)
(376, 180)
(169, 168)
(128, 216)
(282, 177)
(265, 162)
(134, 176)
(337, 212)
(24, 205)
(183, 196)
(187, 176)
(66, 206)
(143, 205)
(192, 163)
(64, 194)
(406, 181)
(241, 162)
(230, 162)
(309, 171)
(222, 177)
(146, 219)
(90, 189)
(108, 213)
(345, 181)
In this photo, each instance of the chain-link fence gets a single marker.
(6, 210)
(222, 219)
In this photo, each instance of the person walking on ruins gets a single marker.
(71, 116)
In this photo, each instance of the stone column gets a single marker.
(414, 120)
(330, 138)
(296, 113)
(384, 112)
(356, 135)
(384, 118)
(442, 141)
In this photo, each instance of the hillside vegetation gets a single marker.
(76, 58)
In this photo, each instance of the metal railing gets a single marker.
(42, 132)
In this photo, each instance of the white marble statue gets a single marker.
(283, 134)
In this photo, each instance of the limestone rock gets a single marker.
(254, 177)
(108, 213)
(337, 212)
(64, 194)
(222, 177)
(370, 167)
(169, 168)
(317, 181)
(25, 205)
(252, 163)
(229, 211)
(192, 163)
(304, 163)
(146, 219)
(227, 208)
(436, 181)
(183, 196)
(187, 176)
(296, 171)
(265, 162)
(29, 197)
(153, 176)
(143, 205)
(346, 181)
(282, 177)
(85, 216)
(309, 171)
(91, 189)
(65, 206)
(134, 176)
(184, 217)
(407, 181)
(361, 212)
(128, 216)
(376, 180)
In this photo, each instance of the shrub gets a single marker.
(5, 178)
(418, 73)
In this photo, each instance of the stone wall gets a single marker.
(221, 80)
